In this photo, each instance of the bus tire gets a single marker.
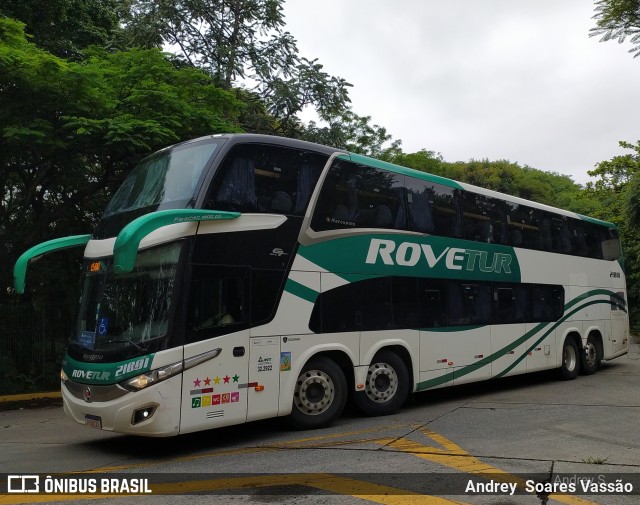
(592, 356)
(319, 396)
(570, 359)
(386, 387)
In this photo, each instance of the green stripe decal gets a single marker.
(395, 254)
(615, 301)
(297, 289)
(390, 167)
(105, 373)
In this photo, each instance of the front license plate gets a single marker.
(93, 421)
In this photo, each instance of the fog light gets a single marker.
(143, 414)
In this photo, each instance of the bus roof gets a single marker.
(235, 138)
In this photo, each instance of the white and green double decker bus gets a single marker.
(240, 277)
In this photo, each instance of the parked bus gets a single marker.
(241, 277)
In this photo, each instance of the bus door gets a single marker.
(455, 336)
(547, 307)
(263, 386)
(214, 392)
(469, 308)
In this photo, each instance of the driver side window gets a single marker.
(218, 302)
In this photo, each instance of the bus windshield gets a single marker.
(118, 311)
(169, 177)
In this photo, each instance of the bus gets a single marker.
(240, 277)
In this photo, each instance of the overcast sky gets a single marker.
(498, 79)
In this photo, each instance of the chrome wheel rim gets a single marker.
(314, 392)
(570, 358)
(590, 354)
(382, 382)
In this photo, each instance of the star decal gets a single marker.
(196, 383)
(226, 379)
(235, 378)
(216, 380)
(207, 381)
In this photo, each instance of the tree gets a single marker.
(354, 133)
(69, 131)
(65, 27)
(617, 191)
(618, 19)
(241, 43)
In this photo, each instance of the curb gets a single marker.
(30, 396)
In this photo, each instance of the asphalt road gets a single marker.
(446, 446)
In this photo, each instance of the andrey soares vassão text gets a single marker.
(586, 485)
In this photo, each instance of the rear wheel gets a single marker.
(320, 394)
(592, 356)
(386, 387)
(570, 359)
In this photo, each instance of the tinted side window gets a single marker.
(511, 303)
(547, 303)
(485, 219)
(468, 303)
(420, 206)
(433, 305)
(524, 226)
(265, 178)
(404, 292)
(358, 306)
(218, 301)
(357, 196)
(402, 302)
(266, 286)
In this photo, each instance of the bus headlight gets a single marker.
(152, 377)
(63, 376)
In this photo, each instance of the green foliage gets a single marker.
(242, 42)
(69, 131)
(354, 133)
(65, 27)
(616, 190)
(618, 19)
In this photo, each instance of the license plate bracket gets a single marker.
(92, 421)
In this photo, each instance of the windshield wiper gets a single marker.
(127, 341)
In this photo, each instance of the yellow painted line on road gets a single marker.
(333, 436)
(453, 456)
(344, 486)
(300, 442)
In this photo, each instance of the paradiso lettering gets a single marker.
(409, 254)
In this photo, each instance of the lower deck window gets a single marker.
(384, 303)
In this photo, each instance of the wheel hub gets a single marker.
(314, 392)
(570, 358)
(382, 382)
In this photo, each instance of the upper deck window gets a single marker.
(356, 196)
(168, 179)
(265, 178)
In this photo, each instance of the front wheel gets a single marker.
(570, 360)
(320, 394)
(386, 387)
(592, 356)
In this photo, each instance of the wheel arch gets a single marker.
(398, 346)
(338, 354)
(574, 334)
(595, 332)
